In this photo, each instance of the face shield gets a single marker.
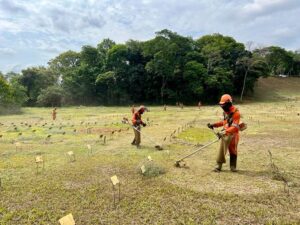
(226, 106)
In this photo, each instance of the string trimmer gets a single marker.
(178, 162)
(157, 146)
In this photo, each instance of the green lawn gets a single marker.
(192, 195)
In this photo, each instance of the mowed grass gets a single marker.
(277, 89)
(191, 195)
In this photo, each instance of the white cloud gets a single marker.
(265, 7)
(40, 29)
(7, 51)
(12, 7)
(7, 25)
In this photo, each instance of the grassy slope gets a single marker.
(191, 195)
(277, 89)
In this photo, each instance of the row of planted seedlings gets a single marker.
(47, 132)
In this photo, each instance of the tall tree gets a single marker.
(103, 47)
(219, 51)
(220, 54)
(165, 54)
(35, 79)
(278, 60)
(253, 67)
(137, 77)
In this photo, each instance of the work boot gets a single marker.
(218, 167)
(133, 142)
(233, 159)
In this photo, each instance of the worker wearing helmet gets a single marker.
(136, 123)
(54, 114)
(229, 135)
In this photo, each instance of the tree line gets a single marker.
(166, 69)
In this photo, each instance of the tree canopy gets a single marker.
(166, 69)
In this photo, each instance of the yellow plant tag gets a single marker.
(18, 144)
(38, 159)
(114, 179)
(67, 220)
(143, 169)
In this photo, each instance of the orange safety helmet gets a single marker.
(142, 109)
(225, 98)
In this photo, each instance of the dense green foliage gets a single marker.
(12, 94)
(279, 61)
(166, 69)
(51, 96)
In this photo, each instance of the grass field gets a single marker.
(276, 89)
(262, 192)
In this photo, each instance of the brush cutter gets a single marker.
(177, 163)
(157, 146)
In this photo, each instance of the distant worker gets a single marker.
(229, 135)
(54, 114)
(136, 123)
(132, 109)
(199, 104)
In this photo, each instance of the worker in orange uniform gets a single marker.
(229, 135)
(132, 109)
(199, 104)
(54, 114)
(136, 124)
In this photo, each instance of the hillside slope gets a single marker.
(277, 89)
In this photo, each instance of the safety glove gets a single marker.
(221, 134)
(210, 126)
(144, 124)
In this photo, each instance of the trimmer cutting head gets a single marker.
(180, 164)
(158, 147)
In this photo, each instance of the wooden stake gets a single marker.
(115, 181)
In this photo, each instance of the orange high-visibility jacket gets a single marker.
(231, 125)
(54, 114)
(231, 121)
(137, 119)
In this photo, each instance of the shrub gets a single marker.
(52, 96)
(152, 169)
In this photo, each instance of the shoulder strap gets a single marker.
(230, 116)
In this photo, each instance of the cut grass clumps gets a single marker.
(151, 169)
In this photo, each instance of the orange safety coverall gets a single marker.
(231, 126)
(137, 119)
(54, 114)
(137, 122)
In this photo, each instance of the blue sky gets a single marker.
(34, 31)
